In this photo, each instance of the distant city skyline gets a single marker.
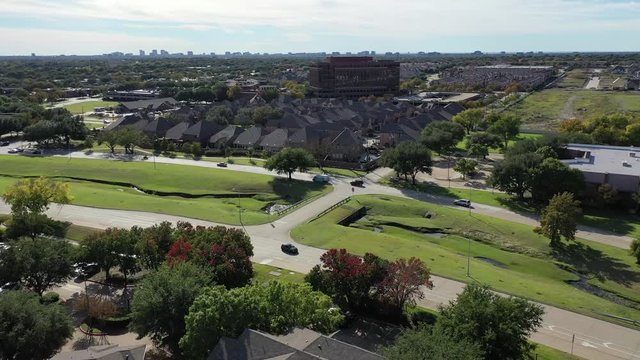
(90, 27)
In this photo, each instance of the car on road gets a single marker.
(462, 202)
(33, 152)
(221, 164)
(4, 143)
(357, 182)
(15, 151)
(289, 249)
(321, 178)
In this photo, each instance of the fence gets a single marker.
(334, 206)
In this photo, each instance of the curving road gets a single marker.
(594, 339)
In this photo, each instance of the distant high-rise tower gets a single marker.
(142, 53)
(164, 52)
(189, 53)
(154, 52)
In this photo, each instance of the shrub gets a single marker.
(50, 298)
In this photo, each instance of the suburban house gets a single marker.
(275, 140)
(393, 134)
(175, 133)
(134, 121)
(250, 138)
(617, 166)
(148, 105)
(300, 344)
(347, 147)
(224, 137)
(158, 127)
(307, 138)
(105, 352)
(201, 131)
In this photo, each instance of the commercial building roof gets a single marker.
(605, 159)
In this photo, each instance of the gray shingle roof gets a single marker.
(175, 133)
(250, 137)
(276, 139)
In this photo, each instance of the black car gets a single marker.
(289, 249)
(358, 183)
(4, 143)
(221, 164)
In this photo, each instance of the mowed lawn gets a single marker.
(521, 261)
(166, 178)
(544, 110)
(89, 106)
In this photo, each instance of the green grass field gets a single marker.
(89, 105)
(576, 78)
(617, 222)
(546, 109)
(264, 273)
(525, 266)
(166, 178)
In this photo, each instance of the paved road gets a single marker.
(595, 339)
(594, 83)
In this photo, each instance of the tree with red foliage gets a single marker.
(179, 252)
(404, 281)
(351, 280)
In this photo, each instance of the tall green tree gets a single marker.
(559, 219)
(408, 159)
(565, 179)
(38, 263)
(35, 195)
(29, 199)
(469, 119)
(30, 330)
(154, 244)
(507, 127)
(275, 307)
(103, 248)
(478, 144)
(289, 160)
(515, 174)
(466, 167)
(423, 344)
(162, 301)
(442, 136)
(499, 326)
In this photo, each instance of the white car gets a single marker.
(462, 202)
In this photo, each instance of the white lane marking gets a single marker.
(589, 341)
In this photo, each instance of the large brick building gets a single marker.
(353, 77)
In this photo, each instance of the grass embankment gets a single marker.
(546, 109)
(166, 178)
(521, 262)
(616, 222)
(263, 273)
(89, 106)
(237, 160)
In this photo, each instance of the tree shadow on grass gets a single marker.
(595, 263)
(607, 224)
(293, 190)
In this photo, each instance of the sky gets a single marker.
(87, 27)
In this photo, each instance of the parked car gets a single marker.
(10, 286)
(321, 178)
(462, 202)
(85, 270)
(289, 249)
(34, 152)
(4, 143)
(15, 151)
(221, 164)
(358, 183)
